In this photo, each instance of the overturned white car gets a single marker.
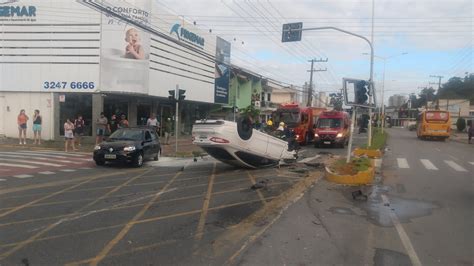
(239, 144)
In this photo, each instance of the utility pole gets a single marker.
(439, 80)
(310, 90)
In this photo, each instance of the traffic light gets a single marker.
(171, 97)
(181, 95)
(361, 91)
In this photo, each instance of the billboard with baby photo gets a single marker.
(124, 59)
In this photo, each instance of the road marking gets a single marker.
(131, 223)
(85, 168)
(57, 153)
(46, 173)
(260, 195)
(438, 149)
(402, 163)
(471, 163)
(428, 165)
(37, 158)
(455, 166)
(22, 176)
(205, 206)
(24, 243)
(415, 261)
(1, 180)
(35, 154)
(19, 165)
(67, 170)
(305, 160)
(31, 162)
(453, 157)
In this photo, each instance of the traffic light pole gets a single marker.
(176, 93)
(372, 89)
(349, 147)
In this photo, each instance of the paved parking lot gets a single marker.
(177, 212)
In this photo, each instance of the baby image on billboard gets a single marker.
(134, 49)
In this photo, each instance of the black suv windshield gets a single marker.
(127, 134)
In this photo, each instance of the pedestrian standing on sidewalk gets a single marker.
(79, 129)
(113, 123)
(123, 122)
(153, 122)
(470, 132)
(167, 130)
(37, 122)
(22, 119)
(68, 135)
(101, 125)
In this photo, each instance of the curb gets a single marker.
(361, 178)
(373, 154)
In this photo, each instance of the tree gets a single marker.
(461, 124)
(458, 88)
(336, 101)
(252, 112)
(426, 95)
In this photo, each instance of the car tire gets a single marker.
(138, 160)
(99, 162)
(156, 158)
(244, 128)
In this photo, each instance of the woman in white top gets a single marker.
(69, 135)
(153, 122)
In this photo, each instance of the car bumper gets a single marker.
(329, 141)
(115, 156)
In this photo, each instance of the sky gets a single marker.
(436, 35)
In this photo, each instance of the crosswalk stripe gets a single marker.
(22, 176)
(18, 165)
(67, 170)
(37, 154)
(428, 165)
(455, 166)
(37, 158)
(1, 180)
(57, 153)
(402, 163)
(471, 163)
(31, 162)
(46, 173)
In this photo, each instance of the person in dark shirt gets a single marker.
(113, 124)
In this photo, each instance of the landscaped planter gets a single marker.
(369, 153)
(361, 178)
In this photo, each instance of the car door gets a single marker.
(156, 143)
(148, 145)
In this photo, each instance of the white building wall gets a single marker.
(12, 102)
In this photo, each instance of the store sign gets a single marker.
(186, 35)
(8, 10)
(222, 72)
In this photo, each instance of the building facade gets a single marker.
(68, 59)
(396, 100)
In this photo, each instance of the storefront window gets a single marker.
(115, 106)
(76, 104)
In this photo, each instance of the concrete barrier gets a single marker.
(361, 178)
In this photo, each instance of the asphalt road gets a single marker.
(68, 211)
(418, 213)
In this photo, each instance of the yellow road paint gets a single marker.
(53, 225)
(130, 224)
(205, 205)
(259, 193)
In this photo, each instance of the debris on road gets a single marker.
(315, 165)
(358, 195)
(260, 184)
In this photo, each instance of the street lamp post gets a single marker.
(383, 83)
(372, 88)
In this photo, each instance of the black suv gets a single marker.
(129, 145)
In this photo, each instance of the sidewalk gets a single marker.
(185, 146)
(460, 137)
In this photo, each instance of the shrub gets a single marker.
(461, 124)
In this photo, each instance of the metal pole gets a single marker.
(176, 96)
(349, 147)
(383, 90)
(310, 90)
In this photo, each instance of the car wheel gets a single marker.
(156, 158)
(99, 162)
(138, 160)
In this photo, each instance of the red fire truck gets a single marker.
(299, 119)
